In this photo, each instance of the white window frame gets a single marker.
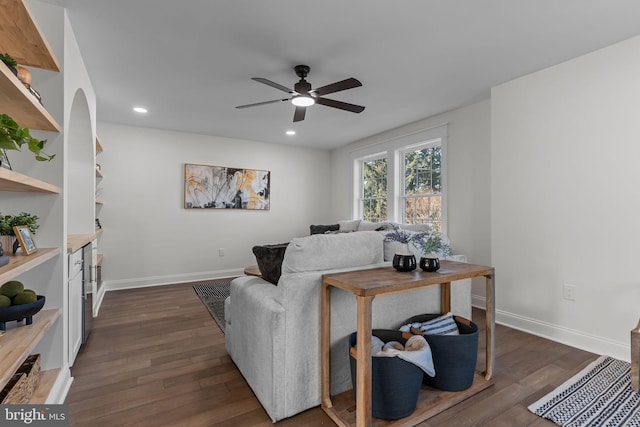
(360, 172)
(402, 196)
(393, 149)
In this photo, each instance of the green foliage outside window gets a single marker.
(423, 184)
(422, 201)
(374, 175)
(422, 171)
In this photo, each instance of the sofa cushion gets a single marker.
(321, 229)
(349, 225)
(333, 251)
(372, 226)
(413, 227)
(269, 258)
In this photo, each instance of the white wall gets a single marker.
(565, 199)
(150, 238)
(468, 177)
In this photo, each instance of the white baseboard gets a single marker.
(60, 388)
(571, 337)
(114, 285)
(478, 301)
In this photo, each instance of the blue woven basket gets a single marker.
(395, 383)
(454, 356)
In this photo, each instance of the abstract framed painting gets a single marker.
(220, 187)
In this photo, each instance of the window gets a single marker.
(402, 180)
(421, 199)
(374, 190)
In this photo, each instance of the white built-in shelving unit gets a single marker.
(29, 48)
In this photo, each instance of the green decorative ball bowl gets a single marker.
(19, 312)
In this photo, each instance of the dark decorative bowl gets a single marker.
(404, 263)
(429, 264)
(19, 312)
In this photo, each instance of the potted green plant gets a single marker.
(7, 222)
(433, 246)
(9, 62)
(13, 137)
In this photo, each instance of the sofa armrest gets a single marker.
(253, 311)
(255, 292)
(255, 337)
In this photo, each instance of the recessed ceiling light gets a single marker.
(291, 132)
(139, 109)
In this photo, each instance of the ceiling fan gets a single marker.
(303, 96)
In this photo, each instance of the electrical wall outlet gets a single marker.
(221, 252)
(570, 292)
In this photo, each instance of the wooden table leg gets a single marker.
(490, 327)
(363, 370)
(445, 297)
(325, 346)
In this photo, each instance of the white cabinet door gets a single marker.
(75, 305)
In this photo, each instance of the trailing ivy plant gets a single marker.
(13, 137)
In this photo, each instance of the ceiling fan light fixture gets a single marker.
(303, 95)
(303, 100)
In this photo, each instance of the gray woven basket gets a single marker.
(454, 356)
(395, 383)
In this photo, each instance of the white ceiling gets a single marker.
(190, 61)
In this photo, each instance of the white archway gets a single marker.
(80, 168)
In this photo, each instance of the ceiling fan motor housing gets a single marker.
(302, 87)
(302, 71)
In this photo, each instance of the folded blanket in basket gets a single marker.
(441, 325)
(416, 351)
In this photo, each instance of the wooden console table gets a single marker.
(252, 270)
(366, 285)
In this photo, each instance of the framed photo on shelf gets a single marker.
(25, 238)
(4, 160)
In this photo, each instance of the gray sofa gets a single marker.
(272, 333)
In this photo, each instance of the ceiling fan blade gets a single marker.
(338, 86)
(262, 103)
(339, 104)
(298, 116)
(273, 84)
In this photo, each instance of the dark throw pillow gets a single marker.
(269, 258)
(321, 229)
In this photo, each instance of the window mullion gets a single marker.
(395, 150)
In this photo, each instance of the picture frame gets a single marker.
(4, 160)
(25, 238)
(222, 187)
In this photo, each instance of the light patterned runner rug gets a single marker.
(600, 395)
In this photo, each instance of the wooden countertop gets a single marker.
(77, 241)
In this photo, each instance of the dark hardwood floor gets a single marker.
(155, 357)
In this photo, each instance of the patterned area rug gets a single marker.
(600, 395)
(212, 294)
